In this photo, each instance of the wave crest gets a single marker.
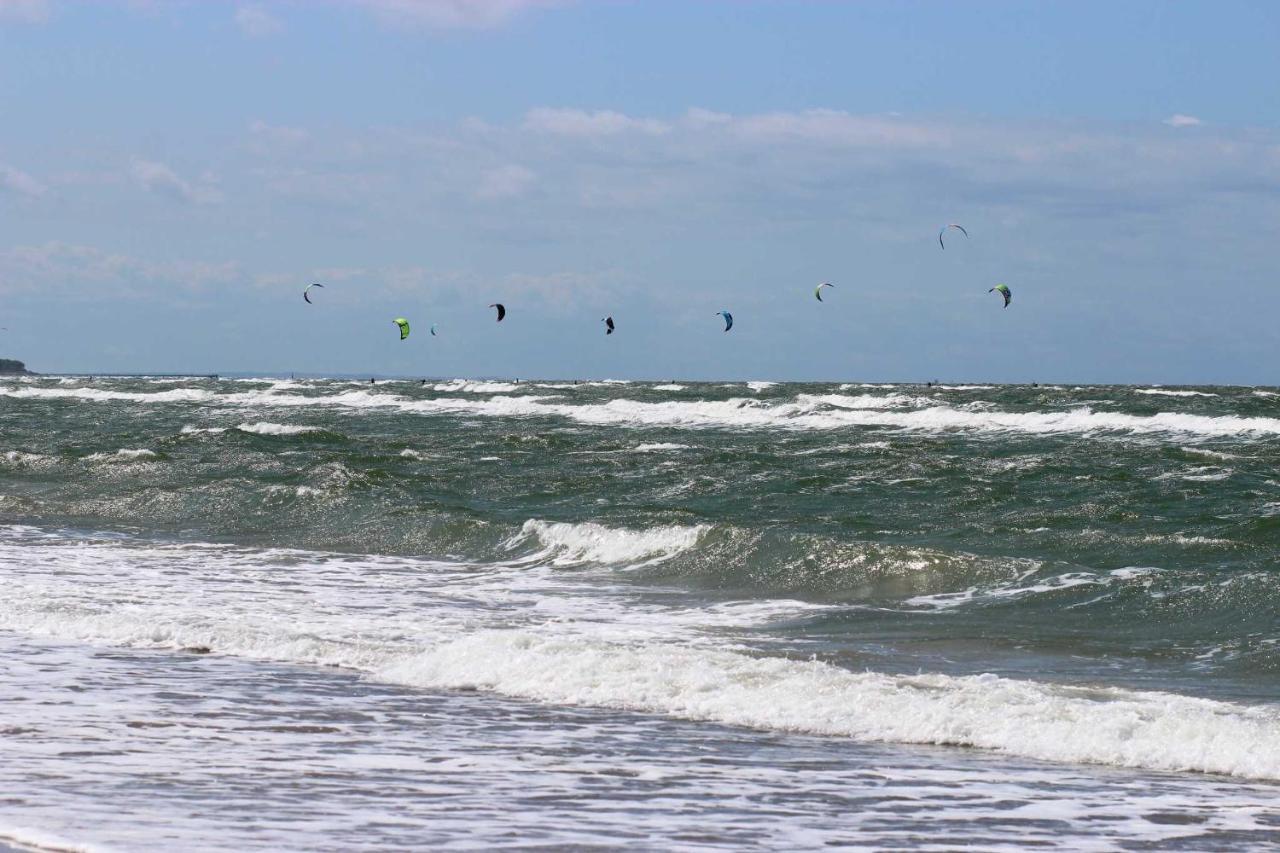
(566, 544)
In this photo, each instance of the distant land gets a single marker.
(10, 367)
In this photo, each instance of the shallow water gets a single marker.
(483, 613)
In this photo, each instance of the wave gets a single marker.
(657, 447)
(175, 395)
(467, 386)
(1127, 728)
(1058, 583)
(21, 457)
(565, 544)
(804, 412)
(268, 428)
(1161, 392)
(827, 413)
(1110, 726)
(518, 632)
(122, 455)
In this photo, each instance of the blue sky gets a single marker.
(172, 174)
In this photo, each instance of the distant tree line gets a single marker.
(9, 365)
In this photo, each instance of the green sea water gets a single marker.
(1088, 575)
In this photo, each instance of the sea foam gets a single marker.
(524, 631)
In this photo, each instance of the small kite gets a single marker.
(502, 311)
(404, 327)
(728, 319)
(817, 291)
(306, 293)
(1003, 290)
(608, 325)
(433, 330)
(954, 225)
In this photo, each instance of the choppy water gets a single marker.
(324, 614)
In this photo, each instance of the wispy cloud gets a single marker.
(1180, 120)
(453, 14)
(256, 22)
(505, 182)
(160, 179)
(91, 273)
(574, 122)
(278, 133)
(14, 180)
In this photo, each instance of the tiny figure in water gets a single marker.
(371, 382)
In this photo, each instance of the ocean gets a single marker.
(329, 615)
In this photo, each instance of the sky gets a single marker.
(173, 174)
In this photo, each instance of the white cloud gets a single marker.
(93, 273)
(256, 22)
(1180, 120)
(792, 163)
(13, 180)
(573, 122)
(698, 116)
(836, 127)
(505, 182)
(30, 11)
(160, 179)
(453, 14)
(278, 133)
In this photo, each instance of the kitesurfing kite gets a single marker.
(728, 319)
(817, 291)
(1004, 291)
(433, 330)
(608, 325)
(404, 327)
(959, 228)
(307, 291)
(502, 311)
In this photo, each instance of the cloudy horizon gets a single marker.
(172, 175)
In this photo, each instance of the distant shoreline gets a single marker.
(13, 367)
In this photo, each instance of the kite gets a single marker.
(959, 228)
